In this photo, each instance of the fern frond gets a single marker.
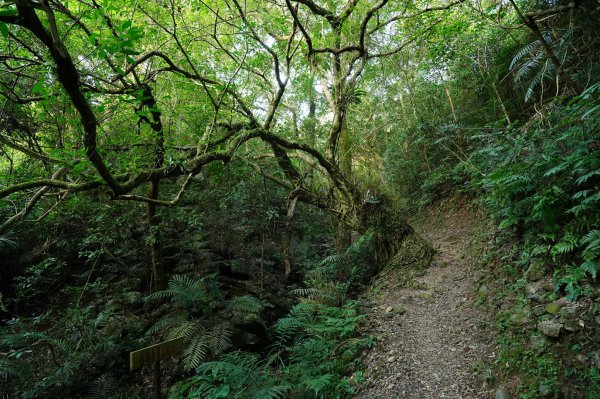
(195, 351)
(318, 384)
(219, 339)
(246, 304)
(8, 245)
(275, 392)
(103, 387)
(527, 49)
(307, 292)
(187, 329)
(165, 324)
(201, 342)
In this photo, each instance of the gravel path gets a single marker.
(434, 345)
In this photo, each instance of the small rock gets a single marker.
(391, 353)
(239, 269)
(483, 292)
(399, 309)
(545, 391)
(133, 298)
(548, 286)
(573, 325)
(535, 272)
(538, 310)
(538, 342)
(388, 309)
(501, 394)
(534, 293)
(571, 311)
(551, 328)
(569, 316)
(581, 358)
(391, 359)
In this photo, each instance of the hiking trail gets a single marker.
(433, 342)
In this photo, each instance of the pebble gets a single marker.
(391, 359)
(501, 394)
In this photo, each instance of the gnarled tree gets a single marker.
(125, 95)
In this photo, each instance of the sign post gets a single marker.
(154, 354)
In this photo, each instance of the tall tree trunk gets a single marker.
(344, 234)
(287, 263)
(158, 268)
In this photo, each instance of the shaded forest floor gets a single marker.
(433, 337)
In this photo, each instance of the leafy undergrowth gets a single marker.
(534, 361)
(314, 352)
(314, 356)
(542, 188)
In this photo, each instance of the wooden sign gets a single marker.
(154, 353)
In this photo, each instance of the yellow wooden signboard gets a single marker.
(154, 353)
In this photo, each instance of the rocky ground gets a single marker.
(433, 342)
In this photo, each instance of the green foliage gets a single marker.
(37, 278)
(63, 353)
(322, 346)
(236, 375)
(7, 245)
(543, 182)
(246, 304)
(190, 293)
(316, 348)
(202, 337)
(108, 387)
(346, 272)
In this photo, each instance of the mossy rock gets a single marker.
(520, 317)
(553, 308)
(535, 272)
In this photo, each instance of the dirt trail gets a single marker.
(434, 344)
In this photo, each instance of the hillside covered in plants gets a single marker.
(315, 199)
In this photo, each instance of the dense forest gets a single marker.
(235, 174)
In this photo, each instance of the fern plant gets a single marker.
(191, 293)
(107, 386)
(203, 339)
(61, 348)
(544, 182)
(315, 353)
(246, 304)
(238, 375)
(531, 67)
